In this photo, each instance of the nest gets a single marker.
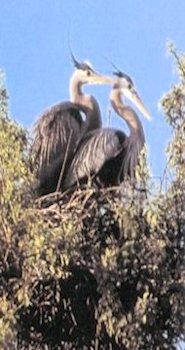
(102, 277)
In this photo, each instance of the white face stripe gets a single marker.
(127, 93)
(126, 84)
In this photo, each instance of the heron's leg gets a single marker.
(98, 182)
(89, 180)
(77, 179)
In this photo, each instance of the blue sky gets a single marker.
(35, 56)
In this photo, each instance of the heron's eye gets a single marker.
(89, 73)
(129, 86)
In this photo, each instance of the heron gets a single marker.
(60, 128)
(108, 155)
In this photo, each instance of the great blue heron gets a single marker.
(60, 128)
(108, 155)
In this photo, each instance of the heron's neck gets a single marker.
(86, 103)
(127, 113)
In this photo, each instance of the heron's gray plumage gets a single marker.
(59, 130)
(52, 130)
(108, 155)
(97, 148)
(56, 136)
(132, 149)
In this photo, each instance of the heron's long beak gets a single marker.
(99, 79)
(134, 97)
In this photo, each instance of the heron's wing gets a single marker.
(95, 150)
(58, 126)
(131, 152)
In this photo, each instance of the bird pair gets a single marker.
(69, 148)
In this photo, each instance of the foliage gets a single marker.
(95, 269)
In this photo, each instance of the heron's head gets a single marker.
(127, 88)
(87, 75)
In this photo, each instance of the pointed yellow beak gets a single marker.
(97, 78)
(136, 100)
(139, 104)
(133, 96)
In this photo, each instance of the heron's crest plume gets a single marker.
(119, 73)
(83, 65)
(112, 64)
(86, 65)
